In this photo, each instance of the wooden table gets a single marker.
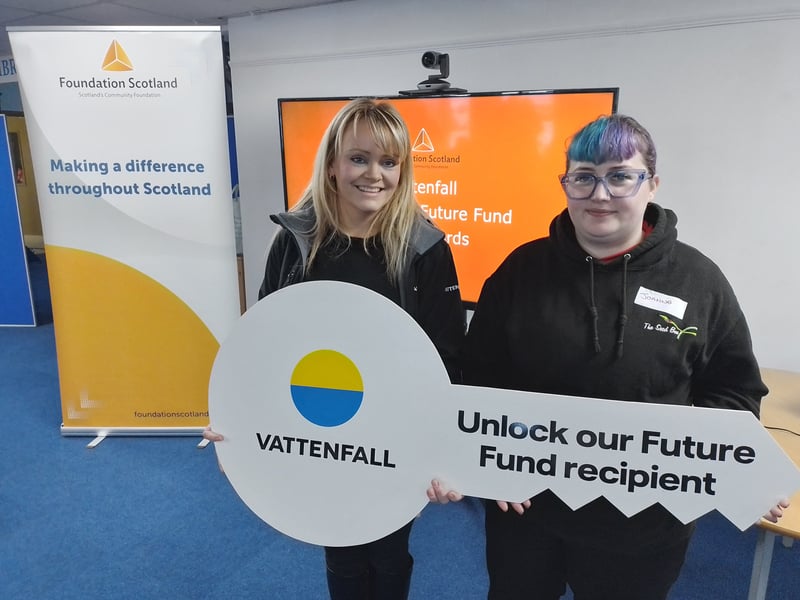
(780, 410)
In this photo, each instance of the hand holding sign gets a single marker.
(337, 412)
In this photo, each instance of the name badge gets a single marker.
(661, 302)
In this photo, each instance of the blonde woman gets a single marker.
(358, 222)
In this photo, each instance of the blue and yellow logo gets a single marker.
(327, 388)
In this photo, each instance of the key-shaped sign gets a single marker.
(337, 412)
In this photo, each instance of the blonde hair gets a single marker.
(393, 222)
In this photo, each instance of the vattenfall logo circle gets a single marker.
(326, 388)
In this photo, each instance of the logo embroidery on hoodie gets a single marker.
(671, 327)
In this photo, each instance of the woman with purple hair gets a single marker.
(566, 314)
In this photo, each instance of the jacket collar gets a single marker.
(424, 234)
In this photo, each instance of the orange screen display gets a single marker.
(486, 166)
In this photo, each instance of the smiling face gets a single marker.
(366, 179)
(604, 225)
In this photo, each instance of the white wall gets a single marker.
(717, 85)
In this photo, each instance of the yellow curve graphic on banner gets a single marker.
(116, 59)
(131, 354)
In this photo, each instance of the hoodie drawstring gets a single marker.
(623, 317)
(593, 306)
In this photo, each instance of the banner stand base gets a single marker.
(101, 434)
(96, 441)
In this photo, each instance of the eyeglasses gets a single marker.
(619, 184)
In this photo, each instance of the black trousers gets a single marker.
(386, 555)
(528, 560)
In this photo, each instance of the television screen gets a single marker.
(486, 165)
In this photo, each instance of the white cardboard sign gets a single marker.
(337, 412)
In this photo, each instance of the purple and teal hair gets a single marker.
(612, 138)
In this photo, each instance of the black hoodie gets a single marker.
(658, 324)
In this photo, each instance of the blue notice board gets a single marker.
(16, 299)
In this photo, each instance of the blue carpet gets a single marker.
(153, 518)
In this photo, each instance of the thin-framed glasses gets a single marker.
(619, 184)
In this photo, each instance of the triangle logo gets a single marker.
(116, 59)
(423, 142)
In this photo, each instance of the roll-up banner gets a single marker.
(16, 298)
(128, 134)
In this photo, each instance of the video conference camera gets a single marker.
(435, 84)
(437, 60)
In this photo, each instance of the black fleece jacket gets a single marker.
(428, 289)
